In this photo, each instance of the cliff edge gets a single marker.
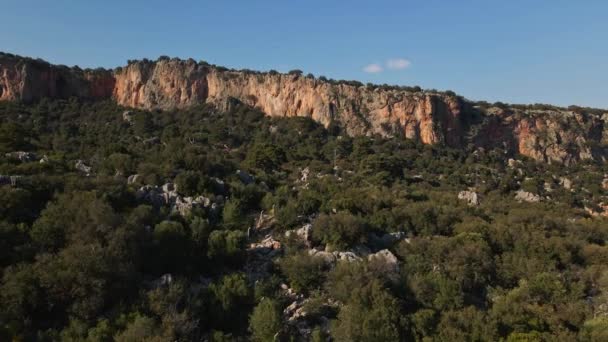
(545, 133)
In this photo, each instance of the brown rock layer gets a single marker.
(27, 79)
(556, 135)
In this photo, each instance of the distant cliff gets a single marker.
(28, 79)
(548, 134)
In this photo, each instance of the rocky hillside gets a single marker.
(204, 225)
(544, 133)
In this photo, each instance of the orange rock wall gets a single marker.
(432, 118)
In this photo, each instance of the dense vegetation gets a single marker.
(84, 256)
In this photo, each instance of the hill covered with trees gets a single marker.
(226, 224)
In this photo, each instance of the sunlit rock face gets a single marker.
(168, 84)
(26, 79)
(553, 136)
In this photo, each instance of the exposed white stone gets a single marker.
(304, 233)
(471, 197)
(22, 156)
(133, 179)
(82, 167)
(524, 196)
(127, 116)
(304, 175)
(566, 183)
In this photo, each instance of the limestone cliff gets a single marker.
(27, 79)
(168, 84)
(554, 135)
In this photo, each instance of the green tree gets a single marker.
(13, 137)
(436, 291)
(188, 183)
(304, 272)
(102, 332)
(76, 217)
(233, 215)
(142, 328)
(595, 330)
(372, 314)
(340, 231)
(468, 324)
(120, 162)
(173, 245)
(264, 156)
(227, 246)
(265, 321)
(21, 298)
(143, 123)
(233, 299)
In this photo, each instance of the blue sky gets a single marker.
(514, 51)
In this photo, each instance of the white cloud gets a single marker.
(373, 68)
(398, 64)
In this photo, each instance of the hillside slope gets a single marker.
(544, 133)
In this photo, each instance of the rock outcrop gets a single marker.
(550, 135)
(566, 183)
(386, 260)
(471, 197)
(26, 79)
(168, 195)
(82, 167)
(132, 179)
(304, 233)
(21, 156)
(525, 196)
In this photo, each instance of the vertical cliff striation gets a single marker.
(550, 135)
(167, 84)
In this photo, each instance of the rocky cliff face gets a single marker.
(161, 85)
(555, 135)
(26, 79)
(168, 84)
(552, 136)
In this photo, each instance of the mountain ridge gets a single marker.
(545, 133)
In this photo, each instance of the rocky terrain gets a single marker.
(544, 133)
(226, 224)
